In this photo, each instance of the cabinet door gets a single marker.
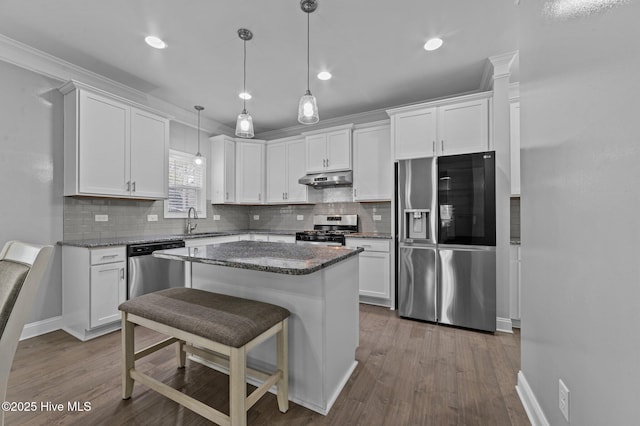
(372, 164)
(374, 274)
(296, 153)
(463, 127)
(316, 153)
(108, 290)
(415, 133)
(515, 147)
(149, 155)
(338, 150)
(276, 173)
(103, 146)
(249, 172)
(229, 171)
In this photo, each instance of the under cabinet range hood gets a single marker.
(323, 180)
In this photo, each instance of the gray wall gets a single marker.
(579, 94)
(31, 161)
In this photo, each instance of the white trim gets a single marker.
(529, 402)
(332, 399)
(38, 328)
(504, 325)
(327, 129)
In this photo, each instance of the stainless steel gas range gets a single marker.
(329, 230)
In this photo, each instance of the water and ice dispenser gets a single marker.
(417, 224)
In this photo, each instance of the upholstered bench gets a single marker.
(216, 327)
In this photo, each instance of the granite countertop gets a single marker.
(379, 235)
(281, 258)
(123, 241)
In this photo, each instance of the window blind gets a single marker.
(186, 185)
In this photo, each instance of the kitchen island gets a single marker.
(317, 284)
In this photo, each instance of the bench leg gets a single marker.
(127, 356)
(237, 387)
(181, 354)
(283, 365)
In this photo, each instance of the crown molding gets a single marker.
(439, 101)
(39, 62)
(496, 67)
(354, 119)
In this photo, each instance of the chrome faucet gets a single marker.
(191, 226)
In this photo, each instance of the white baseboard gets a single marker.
(530, 403)
(41, 327)
(504, 325)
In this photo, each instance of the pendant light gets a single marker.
(308, 108)
(244, 124)
(198, 159)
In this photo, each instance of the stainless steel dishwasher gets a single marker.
(147, 273)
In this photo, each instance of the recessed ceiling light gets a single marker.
(245, 95)
(433, 44)
(324, 75)
(155, 42)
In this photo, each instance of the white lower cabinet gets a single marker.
(94, 284)
(374, 269)
(514, 282)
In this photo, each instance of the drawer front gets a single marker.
(100, 256)
(368, 244)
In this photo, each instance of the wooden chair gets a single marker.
(22, 267)
(216, 327)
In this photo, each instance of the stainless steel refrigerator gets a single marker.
(446, 224)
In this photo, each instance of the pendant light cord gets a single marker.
(244, 81)
(308, 52)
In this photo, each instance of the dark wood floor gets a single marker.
(409, 373)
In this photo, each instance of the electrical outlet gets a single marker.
(102, 218)
(377, 217)
(300, 217)
(152, 218)
(256, 217)
(563, 399)
(216, 217)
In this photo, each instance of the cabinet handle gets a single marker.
(283, 196)
(434, 146)
(259, 196)
(227, 196)
(134, 186)
(109, 256)
(286, 195)
(122, 274)
(327, 162)
(128, 186)
(442, 145)
(355, 192)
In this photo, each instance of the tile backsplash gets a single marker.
(515, 217)
(129, 217)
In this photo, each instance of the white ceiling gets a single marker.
(373, 48)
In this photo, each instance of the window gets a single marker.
(187, 185)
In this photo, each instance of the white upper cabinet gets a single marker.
(373, 178)
(223, 170)
(446, 127)
(329, 149)
(463, 127)
(250, 172)
(285, 165)
(415, 133)
(149, 159)
(112, 148)
(515, 147)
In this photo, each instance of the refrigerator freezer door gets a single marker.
(416, 200)
(467, 287)
(417, 282)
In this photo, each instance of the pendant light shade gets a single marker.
(198, 159)
(244, 123)
(308, 107)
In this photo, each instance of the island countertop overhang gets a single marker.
(281, 258)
